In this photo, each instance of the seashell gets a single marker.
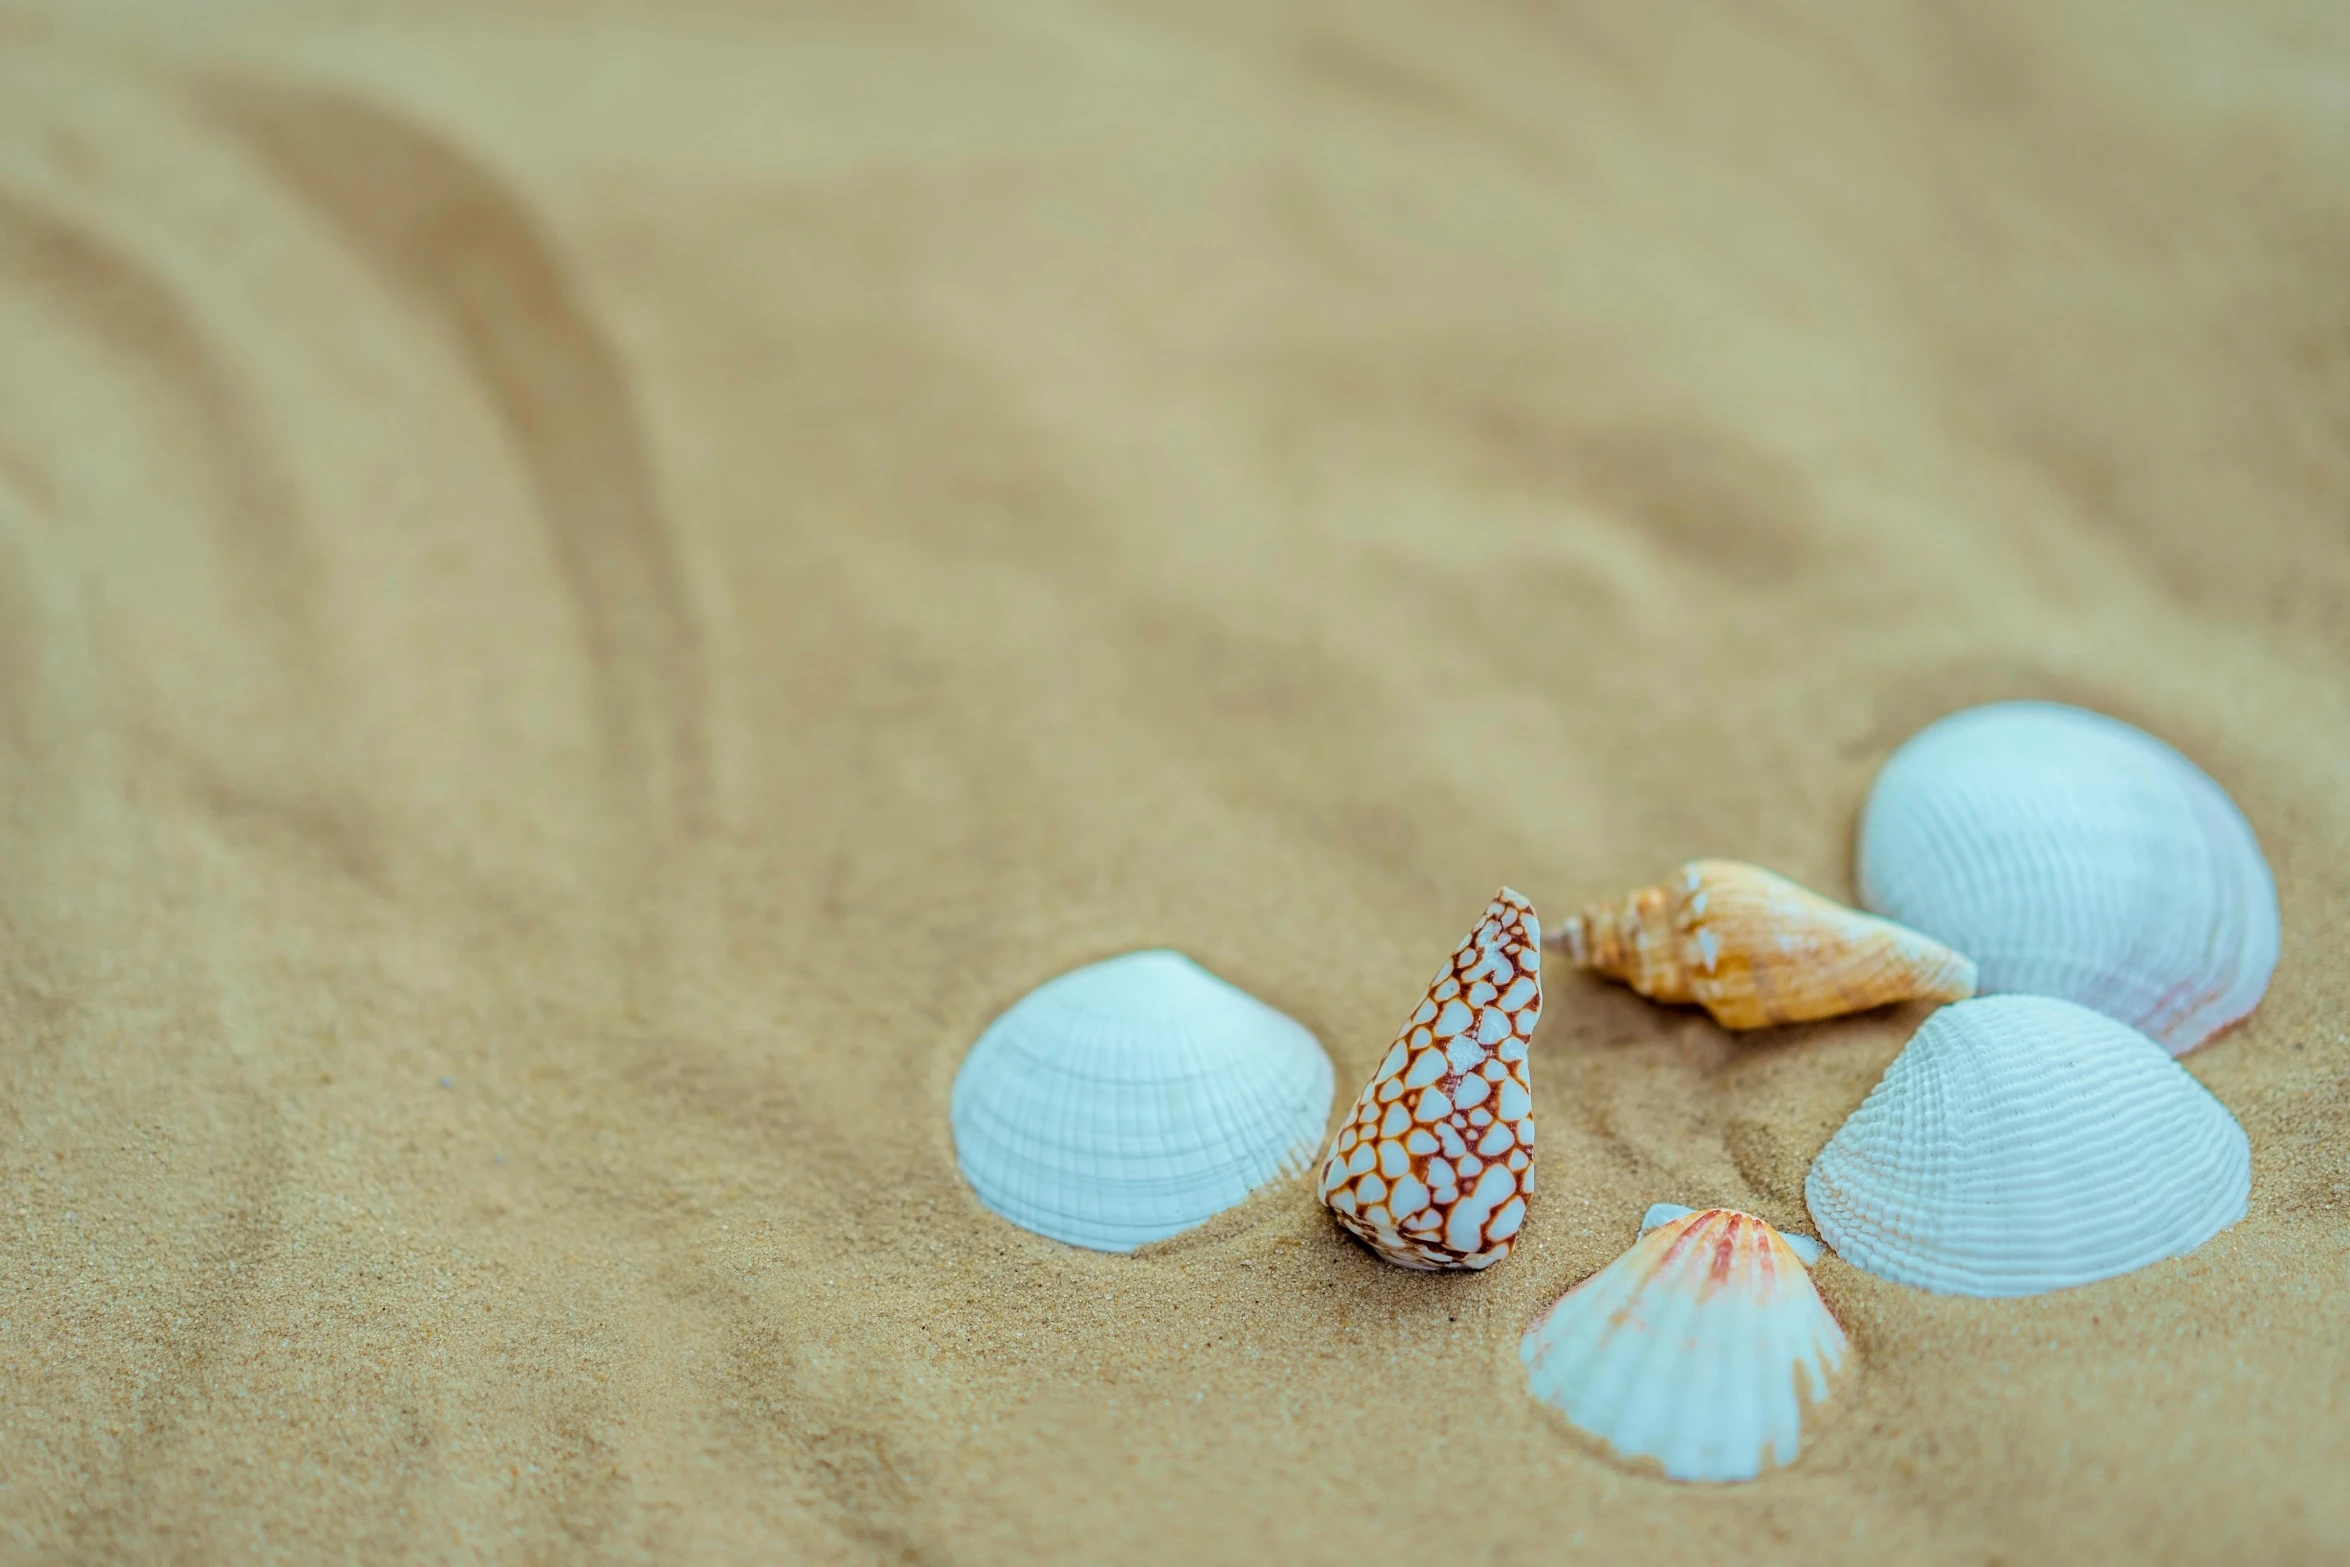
(1755, 949)
(1661, 1213)
(1702, 1348)
(2020, 1144)
(1434, 1166)
(2071, 855)
(1131, 1099)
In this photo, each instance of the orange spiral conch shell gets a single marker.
(1755, 949)
(1434, 1165)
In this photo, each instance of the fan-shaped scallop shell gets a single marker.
(1703, 1348)
(2071, 855)
(1663, 1213)
(1131, 1099)
(2020, 1144)
(1434, 1165)
(1754, 949)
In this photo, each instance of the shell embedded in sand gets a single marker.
(2072, 855)
(2021, 1144)
(1131, 1099)
(1434, 1166)
(1703, 1348)
(1755, 949)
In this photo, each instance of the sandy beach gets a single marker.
(588, 591)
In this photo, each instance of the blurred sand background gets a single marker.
(586, 591)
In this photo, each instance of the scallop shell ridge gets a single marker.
(1129, 1100)
(2072, 855)
(1704, 1349)
(2021, 1144)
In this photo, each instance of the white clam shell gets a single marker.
(1702, 1348)
(2071, 855)
(2020, 1144)
(1131, 1099)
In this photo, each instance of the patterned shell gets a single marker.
(1703, 1349)
(1433, 1168)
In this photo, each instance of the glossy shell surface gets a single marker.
(1132, 1099)
(2020, 1144)
(1435, 1162)
(2071, 855)
(1703, 1349)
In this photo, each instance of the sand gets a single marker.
(587, 591)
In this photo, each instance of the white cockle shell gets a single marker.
(2020, 1144)
(1702, 1348)
(1131, 1099)
(2071, 855)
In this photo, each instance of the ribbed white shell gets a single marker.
(1131, 1099)
(2021, 1144)
(2071, 855)
(1701, 1348)
(1660, 1214)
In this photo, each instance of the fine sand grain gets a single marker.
(586, 591)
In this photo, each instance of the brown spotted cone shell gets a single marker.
(1434, 1166)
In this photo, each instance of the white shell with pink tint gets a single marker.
(2071, 855)
(1131, 1099)
(1702, 1349)
(1663, 1213)
(2020, 1144)
(1434, 1165)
